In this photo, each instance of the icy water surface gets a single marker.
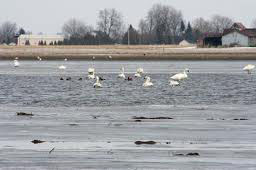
(213, 114)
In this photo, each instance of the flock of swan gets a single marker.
(174, 80)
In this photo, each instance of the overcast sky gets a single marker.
(48, 16)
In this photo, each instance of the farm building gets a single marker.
(239, 35)
(38, 39)
(210, 40)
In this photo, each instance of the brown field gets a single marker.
(124, 52)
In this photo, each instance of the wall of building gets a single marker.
(35, 39)
(252, 42)
(235, 38)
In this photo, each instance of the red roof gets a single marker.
(238, 25)
(246, 32)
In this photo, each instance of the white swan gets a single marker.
(16, 62)
(62, 67)
(147, 83)
(91, 76)
(121, 75)
(91, 70)
(174, 83)
(97, 83)
(249, 68)
(181, 76)
(139, 72)
(91, 73)
(137, 75)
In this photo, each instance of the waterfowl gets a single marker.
(121, 75)
(62, 67)
(249, 68)
(181, 76)
(129, 78)
(147, 82)
(138, 73)
(97, 83)
(140, 70)
(16, 62)
(91, 73)
(101, 78)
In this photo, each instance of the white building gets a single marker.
(239, 35)
(37, 39)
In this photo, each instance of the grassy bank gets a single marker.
(123, 52)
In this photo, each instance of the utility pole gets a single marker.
(129, 35)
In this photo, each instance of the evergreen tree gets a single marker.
(189, 34)
(182, 27)
(21, 31)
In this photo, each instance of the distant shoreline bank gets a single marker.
(122, 52)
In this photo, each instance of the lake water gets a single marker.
(213, 114)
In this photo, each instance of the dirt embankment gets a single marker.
(122, 52)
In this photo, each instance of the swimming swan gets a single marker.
(62, 67)
(97, 83)
(91, 70)
(181, 76)
(249, 68)
(137, 75)
(16, 63)
(147, 83)
(91, 73)
(121, 75)
(139, 72)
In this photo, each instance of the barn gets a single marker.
(210, 40)
(239, 35)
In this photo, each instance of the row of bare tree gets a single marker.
(162, 25)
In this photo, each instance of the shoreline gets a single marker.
(123, 52)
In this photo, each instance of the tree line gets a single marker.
(163, 24)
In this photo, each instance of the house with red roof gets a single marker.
(239, 35)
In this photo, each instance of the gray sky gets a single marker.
(48, 16)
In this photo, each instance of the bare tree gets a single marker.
(219, 23)
(110, 22)
(254, 23)
(174, 21)
(164, 21)
(7, 32)
(145, 32)
(75, 28)
(201, 25)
